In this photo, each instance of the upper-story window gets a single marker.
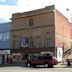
(7, 36)
(31, 22)
(31, 43)
(38, 42)
(50, 43)
(4, 36)
(1, 36)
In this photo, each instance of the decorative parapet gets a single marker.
(33, 12)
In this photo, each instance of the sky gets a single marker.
(8, 7)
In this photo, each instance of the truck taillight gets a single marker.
(52, 61)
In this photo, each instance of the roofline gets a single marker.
(33, 12)
(62, 14)
(5, 23)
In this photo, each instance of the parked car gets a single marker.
(46, 60)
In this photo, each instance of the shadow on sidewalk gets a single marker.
(11, 65)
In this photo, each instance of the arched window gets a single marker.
(38, 42)
(31, 44)
(31, 22)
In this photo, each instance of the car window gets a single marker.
(48, 57)
(34, 57)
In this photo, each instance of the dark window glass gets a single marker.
(30, 22)
(13, 56)
(50, 43)
(34, 57)
(31, 44)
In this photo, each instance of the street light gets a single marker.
(71, 22)
(70, 13)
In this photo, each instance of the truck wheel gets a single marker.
(33, 65)
(46, 65)
(51, 66)
(28, 65)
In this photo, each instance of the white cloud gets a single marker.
(6, 11)
(2, 0)
(26, 5)
(61, 5)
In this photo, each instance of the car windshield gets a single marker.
(34, 57)
(38, 57)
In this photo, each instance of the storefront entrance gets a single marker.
(5, 56)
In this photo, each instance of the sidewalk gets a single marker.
(60, 65)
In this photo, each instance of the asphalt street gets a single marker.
(37, 69)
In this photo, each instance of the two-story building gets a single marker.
(39, 31)
(5, 41)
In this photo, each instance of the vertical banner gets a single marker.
(59, 54)
(24, 42)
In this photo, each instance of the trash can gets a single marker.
(0, 61)
(68, 63)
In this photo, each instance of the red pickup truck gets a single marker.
(47, 61)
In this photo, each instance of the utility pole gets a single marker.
(69, 60)
(71, 23)
(70, 14)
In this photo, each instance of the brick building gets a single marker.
(40, 31)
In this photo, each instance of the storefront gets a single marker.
(20, 55)
(5, 56)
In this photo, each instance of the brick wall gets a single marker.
(43, 26)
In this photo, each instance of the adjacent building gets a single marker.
(39, 31)
(5, 41)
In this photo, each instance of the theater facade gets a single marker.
(40, 31)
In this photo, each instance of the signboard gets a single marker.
(59, 54)
(47, 53)
(24, 42)
(4, 51)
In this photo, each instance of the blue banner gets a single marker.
(25, 42)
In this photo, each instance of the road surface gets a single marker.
(25, 69)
